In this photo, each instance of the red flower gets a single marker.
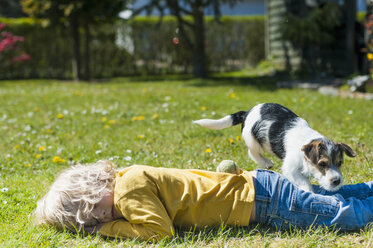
(175, 40)
(2, 25)
(21, 58)
(9, 41)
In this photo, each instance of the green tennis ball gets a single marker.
(228, 166)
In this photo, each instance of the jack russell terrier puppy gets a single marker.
(305, 152)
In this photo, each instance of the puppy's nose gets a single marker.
(336, 181)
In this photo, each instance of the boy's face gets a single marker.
(104, 211)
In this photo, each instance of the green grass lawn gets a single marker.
(45, 126)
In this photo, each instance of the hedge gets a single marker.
(139, 46)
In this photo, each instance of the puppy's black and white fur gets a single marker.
(305, 152)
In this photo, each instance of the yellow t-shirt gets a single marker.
(154, 200)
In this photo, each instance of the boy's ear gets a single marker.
(347, 150)
(311, 151)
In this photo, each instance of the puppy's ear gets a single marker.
(311, 151)
(348, 150)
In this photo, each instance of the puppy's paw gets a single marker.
(268, 164)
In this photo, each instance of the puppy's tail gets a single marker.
(227, 121)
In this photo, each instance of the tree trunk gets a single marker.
(76, 48)
(368, 35)
(87, 41)
(350, 8)
(199, 55)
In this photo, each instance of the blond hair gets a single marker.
(72, 197)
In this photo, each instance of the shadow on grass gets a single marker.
(260, 230)
(263, 82)
(207, 235)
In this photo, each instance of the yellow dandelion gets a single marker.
(28, 165)
(370, 56)
(140, 136)
(302, 99)
(38, 156)
(231, 141)
(203, 108)
(56, 159)
(238, 138)
(348, 118)
(106, 126)
(138, 118)
(208, 150)
(232, 95)
(36, 109)
(49, 130)
(104, 119)
(60, 116)
(144, 90)
(155, 116)
(16, 147)
(42, 148)
(111, 122)
(78, 93)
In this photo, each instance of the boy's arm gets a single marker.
(121, 228)
(145, 217)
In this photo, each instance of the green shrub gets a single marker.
(139, 46)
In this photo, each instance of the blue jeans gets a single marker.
(281, 204)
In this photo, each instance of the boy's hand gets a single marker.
(92, 229)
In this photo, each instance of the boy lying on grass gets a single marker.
(147, 202)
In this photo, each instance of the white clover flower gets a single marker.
(350, 112)
(128, 151)
(112, 158)
(98, 151)
(4, 190)
(127, 158)
(5, 202)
